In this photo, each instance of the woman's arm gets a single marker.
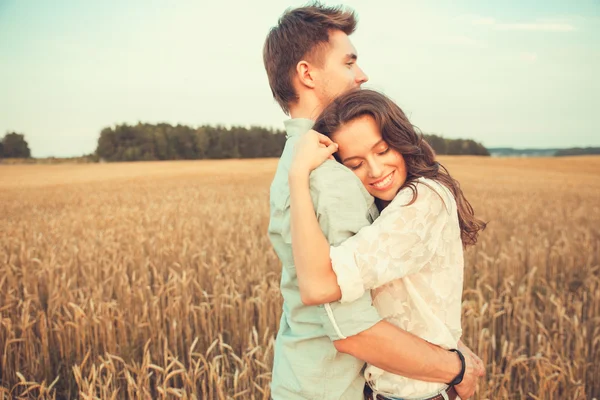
(400, 242)
(316, 279)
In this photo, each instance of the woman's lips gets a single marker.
(384, 183)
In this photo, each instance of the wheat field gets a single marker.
(157, 279)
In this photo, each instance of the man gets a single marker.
(320, 350)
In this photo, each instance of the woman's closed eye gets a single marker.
(355, 166)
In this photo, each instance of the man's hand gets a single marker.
(473, 371)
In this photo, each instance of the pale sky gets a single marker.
(513, 73)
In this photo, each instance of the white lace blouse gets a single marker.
(411, 258)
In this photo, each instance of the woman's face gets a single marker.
(381, 169)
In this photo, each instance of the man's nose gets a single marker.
(361, 77)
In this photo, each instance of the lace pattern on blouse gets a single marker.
(411, 258)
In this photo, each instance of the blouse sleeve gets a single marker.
(400, 242)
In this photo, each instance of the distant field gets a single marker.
(157, 279)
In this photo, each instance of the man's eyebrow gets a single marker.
(353, 157)
(351, 56)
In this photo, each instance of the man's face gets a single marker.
(340, 71)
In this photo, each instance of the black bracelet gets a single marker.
(461, 375)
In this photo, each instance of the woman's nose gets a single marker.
(375, 169)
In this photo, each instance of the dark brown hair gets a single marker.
(301, 33)
(400, 135)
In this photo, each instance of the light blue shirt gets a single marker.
(306, 364)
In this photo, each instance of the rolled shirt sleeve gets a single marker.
(342, 320)
(400, 242)
(343, 207)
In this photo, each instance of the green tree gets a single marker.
(474, 148)
(438, 143)
(455, 147)
(201, 142)
(14, 145)
(107, 144)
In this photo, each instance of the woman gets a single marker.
(411, 257)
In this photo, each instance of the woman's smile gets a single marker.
(384, 183)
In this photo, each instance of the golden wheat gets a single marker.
(157, 280)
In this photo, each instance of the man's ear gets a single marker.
(305, 73)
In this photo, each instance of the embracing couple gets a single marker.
(370, 230)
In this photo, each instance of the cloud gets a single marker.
(536, 26)
(540, 26)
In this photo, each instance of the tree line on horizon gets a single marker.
(146, 142)
(152, 142)
(149, 142)
(578, 151)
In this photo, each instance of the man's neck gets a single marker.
(308, 110)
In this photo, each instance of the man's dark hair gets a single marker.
(301, 33)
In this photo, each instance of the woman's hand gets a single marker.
(474, 357)
(473, 372)
(311, 151)
(316, 279)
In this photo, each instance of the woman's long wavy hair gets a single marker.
(400, 135)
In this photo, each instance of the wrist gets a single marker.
(463, 366)
(298, 174)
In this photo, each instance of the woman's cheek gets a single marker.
(399, 160)
(362, 176)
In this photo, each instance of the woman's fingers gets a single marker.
(321, 138)
(312, 150)
(329, 150)
(326, 143)
(325, 140)
(332, 148)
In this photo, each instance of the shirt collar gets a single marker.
(297, 126)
